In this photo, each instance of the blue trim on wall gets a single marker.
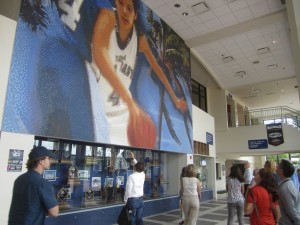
(109, 215)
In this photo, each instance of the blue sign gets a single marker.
(209, 138)
(258, 144)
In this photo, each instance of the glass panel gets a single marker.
(196, 99)
(202, 171)
(203, 104)
(272, 158)
(295, 158)
(283, 156)
(88, 175)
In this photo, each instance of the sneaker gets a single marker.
(182, 222)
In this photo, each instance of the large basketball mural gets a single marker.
(102, 71)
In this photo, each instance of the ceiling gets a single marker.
(244, 44)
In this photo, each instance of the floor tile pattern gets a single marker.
(213, 212)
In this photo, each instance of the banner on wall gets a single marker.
(274, 133)
(82, 70)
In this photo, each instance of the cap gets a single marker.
(39, 152)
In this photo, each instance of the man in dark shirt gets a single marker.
(33, 197)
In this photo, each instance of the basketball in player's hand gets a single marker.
(141, 131)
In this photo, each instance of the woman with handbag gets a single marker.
(262, 200)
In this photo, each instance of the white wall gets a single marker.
(11, 141)
(202, 123)
(293, 9)
(218, 108)
(235, 140)
(7, 34)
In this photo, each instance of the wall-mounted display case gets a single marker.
(201, 164)
(86, 175)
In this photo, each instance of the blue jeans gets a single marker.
(136, 205)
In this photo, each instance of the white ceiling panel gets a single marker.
(253, 24)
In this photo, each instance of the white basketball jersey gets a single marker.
(124, 62)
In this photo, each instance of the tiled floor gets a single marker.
(213, 212)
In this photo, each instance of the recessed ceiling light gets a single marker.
(177, 5)
(274, 42)
(185, 14)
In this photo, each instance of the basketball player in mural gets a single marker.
(116, 41)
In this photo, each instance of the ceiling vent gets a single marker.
(200, 7)
(241, 74)
(255, 90)
(256, 62)
(229, 1)
(227, 59)
(273, 66)
(263, 50)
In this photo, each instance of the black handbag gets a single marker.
(125, 216)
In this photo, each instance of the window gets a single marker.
(199, 97)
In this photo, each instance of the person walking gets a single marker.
(135, 191)
(190, 196)
(289, 200)
(33, 197)
(248, 175)
(235, 189)
(262, 200)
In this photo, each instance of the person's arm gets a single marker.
(242, 188)
(181, 187)
(248, 209)
(277, 211)
(53, 212)
(144, 47)
(104, 25)
(199, 188)
(132, 158)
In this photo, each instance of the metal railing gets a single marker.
(281, 114)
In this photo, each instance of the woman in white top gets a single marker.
(190, 196)
(235, 188)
